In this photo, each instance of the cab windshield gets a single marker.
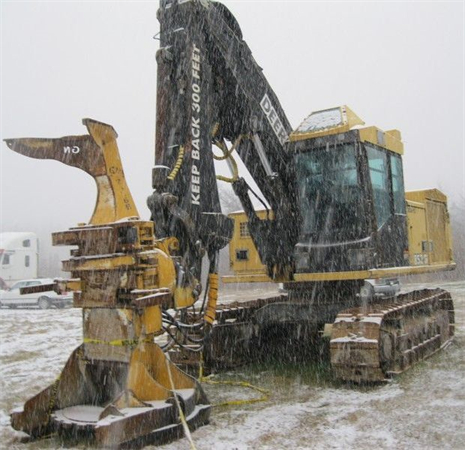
(330, 195)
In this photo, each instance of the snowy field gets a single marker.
(422, 409)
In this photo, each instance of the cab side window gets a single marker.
(398, 189)
(377, 163)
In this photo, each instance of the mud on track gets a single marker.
(422, 409)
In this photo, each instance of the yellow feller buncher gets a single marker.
(118, 387)
(336, 228)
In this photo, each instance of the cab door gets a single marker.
(388, 199)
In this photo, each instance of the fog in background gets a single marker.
(397, 65)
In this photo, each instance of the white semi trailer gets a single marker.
(19, 256)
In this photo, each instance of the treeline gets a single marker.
(457, 220)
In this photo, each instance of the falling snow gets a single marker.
(422, 409)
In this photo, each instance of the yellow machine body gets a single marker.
(430, 245)
(429, 235)
(429, 229)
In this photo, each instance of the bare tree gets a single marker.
(457, 219)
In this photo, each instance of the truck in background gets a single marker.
(19, 256)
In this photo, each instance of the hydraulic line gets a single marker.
(178, 164)
(204, 301)
(227, 154)
(182, 324)
(183, 346)
(235, 173)
(168, 346)
(194, 341)
(260, 200)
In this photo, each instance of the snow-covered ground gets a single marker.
(422, 409)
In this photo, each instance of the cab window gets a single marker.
(377, 163)
(398, 190)
(331, 195)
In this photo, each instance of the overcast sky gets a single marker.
(396, 64)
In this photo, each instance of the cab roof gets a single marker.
(342, 119)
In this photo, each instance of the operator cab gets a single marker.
(350, 192)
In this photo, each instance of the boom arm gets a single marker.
(210, 89)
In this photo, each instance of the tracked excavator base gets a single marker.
(372, 343)
(368, 343)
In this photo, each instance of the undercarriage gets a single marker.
(367, 342)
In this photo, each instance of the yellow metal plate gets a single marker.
(339, 276)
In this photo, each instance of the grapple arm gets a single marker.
(210, 90)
